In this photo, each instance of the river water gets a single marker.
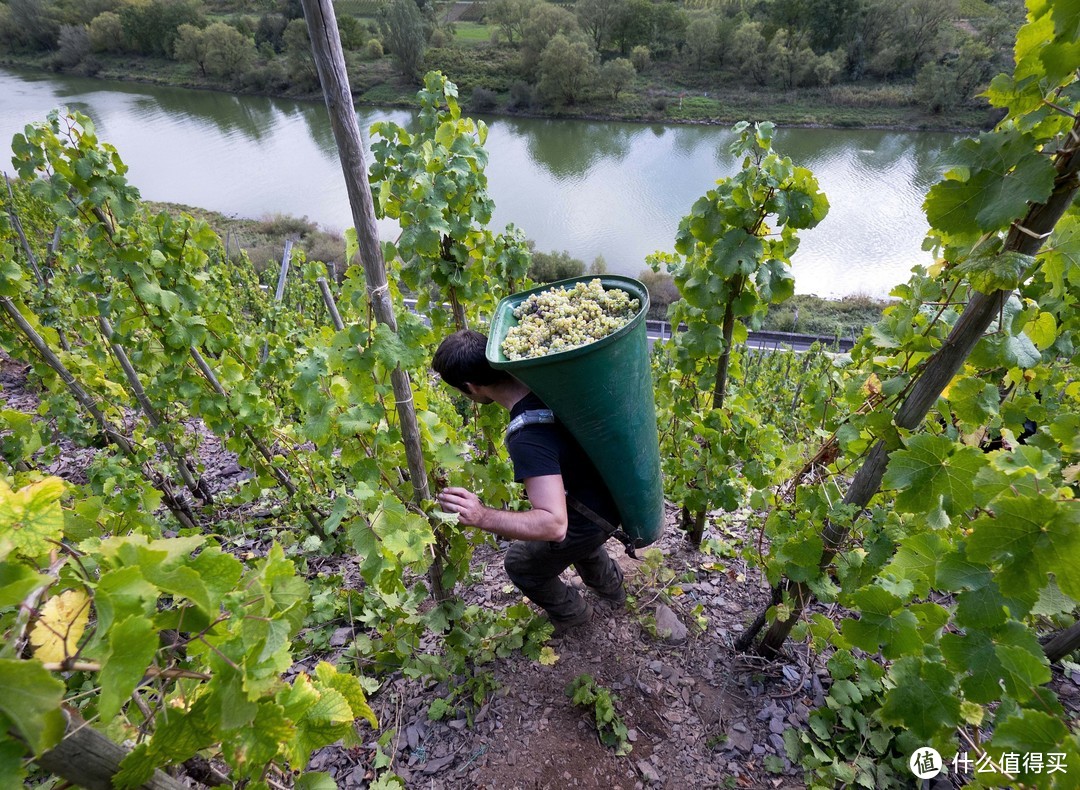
(590, 188)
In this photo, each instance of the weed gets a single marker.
(585, 692)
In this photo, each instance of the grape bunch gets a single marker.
(559, 319)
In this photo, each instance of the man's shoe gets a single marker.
(616, 598)
(563, 626)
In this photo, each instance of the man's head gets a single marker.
(461, 361)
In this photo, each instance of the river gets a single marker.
(590, 188)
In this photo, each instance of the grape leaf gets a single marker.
(994, 177)
(16, 582)
(31, 702)
(31, 518)
(132, 645)
(923, 698)
(931, 468)
(1030, 536)
(349, 687)
(882, 623)
(60, 625)
(250, 749)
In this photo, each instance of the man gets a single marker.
(553, 534)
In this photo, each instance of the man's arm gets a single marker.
(546, 520)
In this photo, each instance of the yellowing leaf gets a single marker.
(548, 657)
(60, 625)
(31, 517)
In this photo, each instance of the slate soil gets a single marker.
(700, 715)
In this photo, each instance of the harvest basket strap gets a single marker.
(529, 417)
(612, 530)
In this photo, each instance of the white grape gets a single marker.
(559, 319)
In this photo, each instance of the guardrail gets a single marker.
(662, 330)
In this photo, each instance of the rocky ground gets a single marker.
(698, 712)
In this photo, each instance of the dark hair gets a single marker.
(461, 359)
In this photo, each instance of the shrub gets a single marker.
(640, 57)
(373, 49)
(522, 96)
(285, 225)
(73, 45)
(483, 100)
(107, 33)
(662, 291)
(547, 267)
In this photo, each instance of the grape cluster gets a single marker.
(559, 319)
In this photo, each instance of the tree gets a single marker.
(300, 63)
(151, 28)
(632, 25)
(228, 51)
(73, 45)
(107, 33)
(544, 23)
(668, 25)
(615, 75)
(190, 46)
(597, 17)
(509, 16)
(567, 68)
(789, 64)
(405, 34)
(703, 40)
(751, 51)
(31, 24)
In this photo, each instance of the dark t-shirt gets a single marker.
(549, 449)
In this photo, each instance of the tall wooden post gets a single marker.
(330, 64)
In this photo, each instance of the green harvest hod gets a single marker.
(603, 393)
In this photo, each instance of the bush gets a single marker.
(284, 226)
(483, 100)
(107, 33)
(73, 45)
(373, 49)
(662, 291)
(266, 78)
(547, 267)
(522, 96)
(640, 57)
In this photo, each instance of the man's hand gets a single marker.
(470, 510)
(545, 521)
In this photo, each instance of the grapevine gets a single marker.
(561, 318)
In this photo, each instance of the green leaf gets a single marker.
(916, 559)
(12, 761)
(404, 534)
(31, 702)
(996, 270)
(923, 698)
(252, 748)
(995, 177)
(16, 582)
(882, 623)
(132, 645)
(349, 687)
(315, 780)
(1030, 536)
(933, 468)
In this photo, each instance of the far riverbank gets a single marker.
(847, 106)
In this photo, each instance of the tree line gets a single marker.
(938, 53)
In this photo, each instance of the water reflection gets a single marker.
(610, 189)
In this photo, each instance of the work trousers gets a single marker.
(534, 567)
